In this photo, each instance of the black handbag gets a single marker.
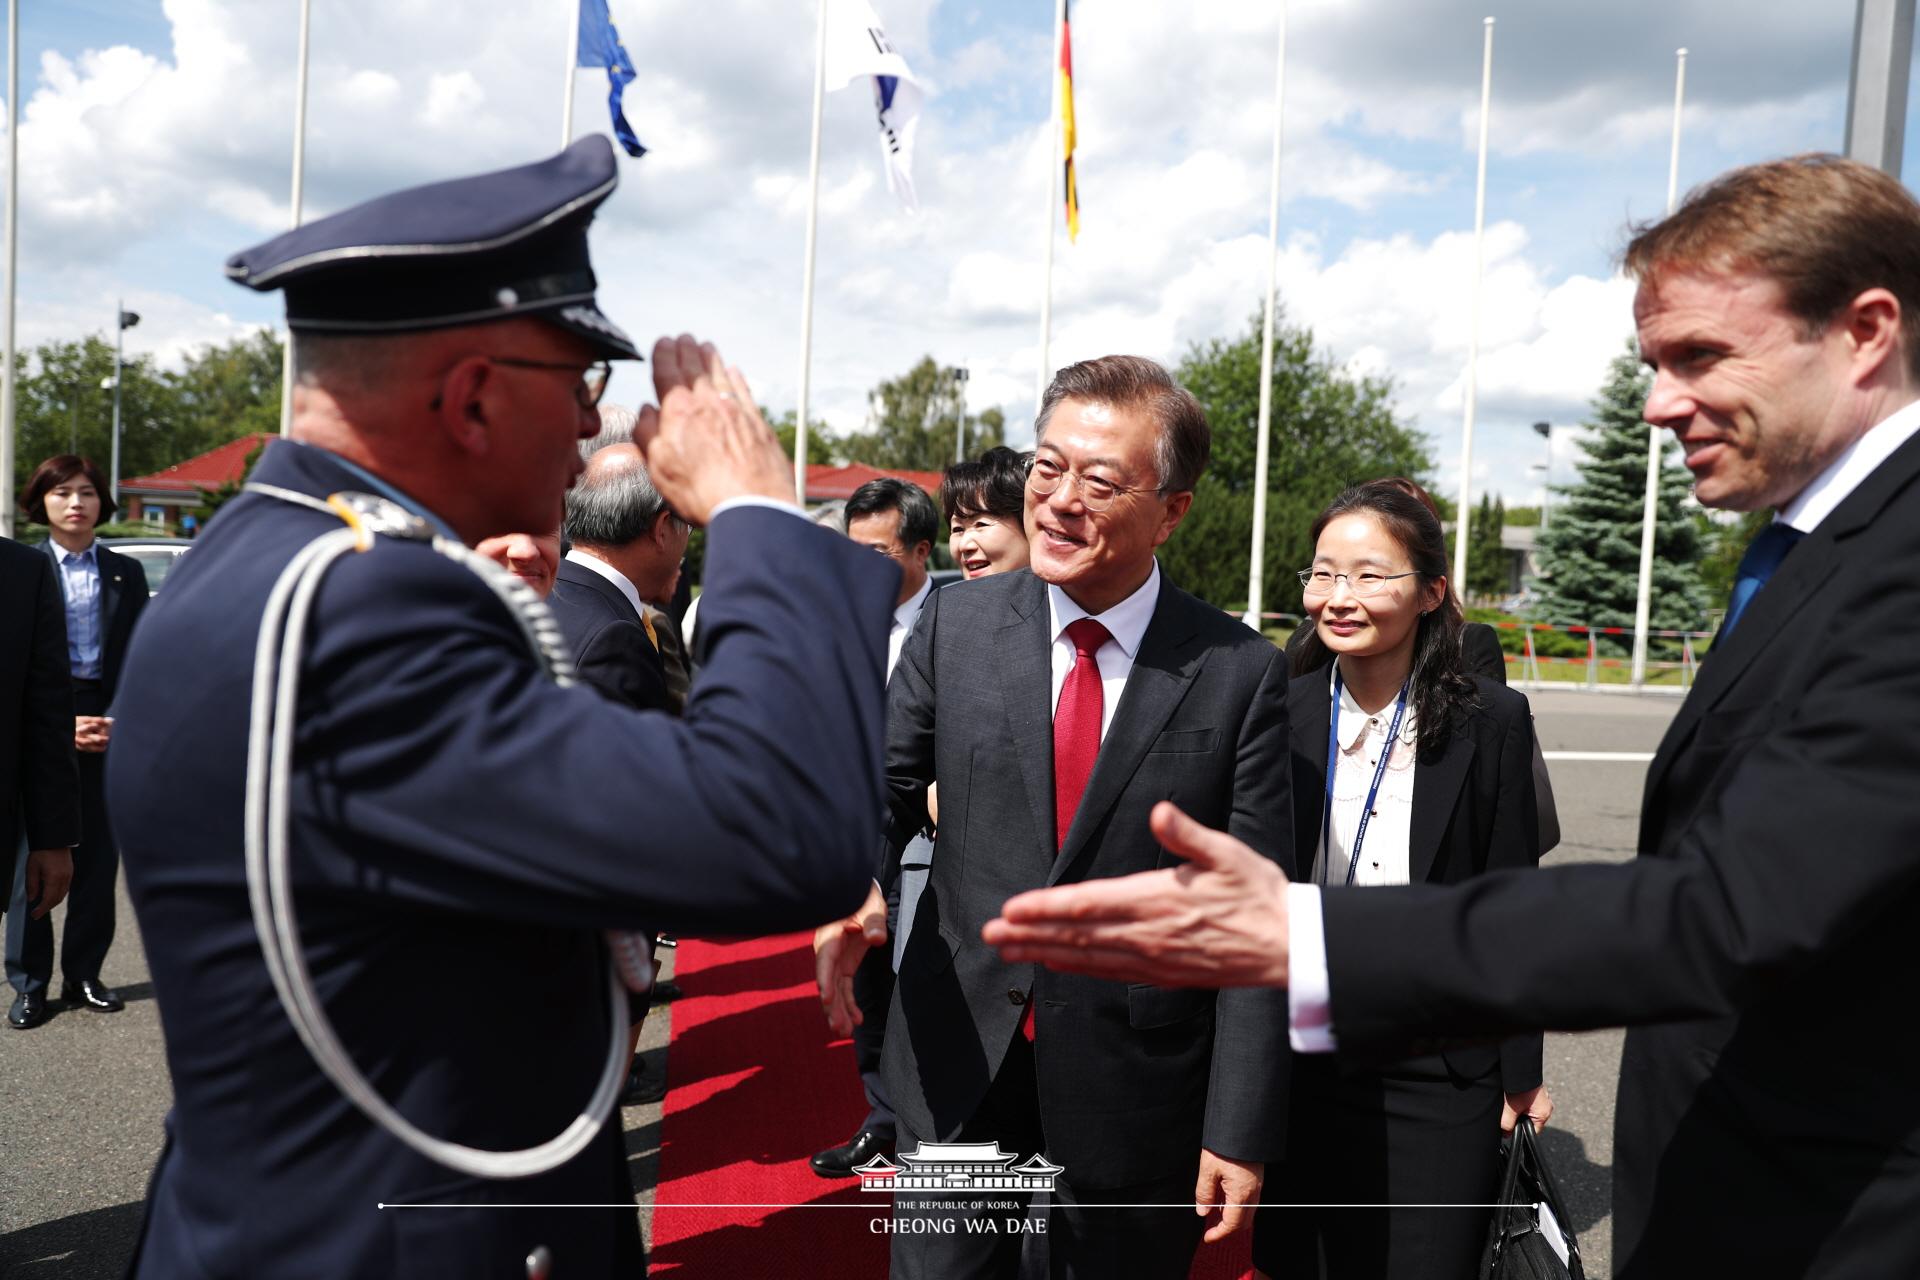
(1518, 1245)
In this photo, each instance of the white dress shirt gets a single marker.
(1383, 858)
(903, 619)
(576, 556)
(1125, 622)
(1309, 1007)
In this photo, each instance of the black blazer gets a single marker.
(1761, 947)
(1473, 812)
(611, 651)
(39, 780)
(123, 597)
(1132, 1080)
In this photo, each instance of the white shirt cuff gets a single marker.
(1309, 1008)
(754, 500)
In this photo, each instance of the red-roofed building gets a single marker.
(161, 498)
(836, 484)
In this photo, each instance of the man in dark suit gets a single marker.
(103, 594)
(897, 519)
(39, 785)
(1760, 947)
(626, 553)
(462, 829)
(1056, 707)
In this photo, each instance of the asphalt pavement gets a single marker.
(86, 1093)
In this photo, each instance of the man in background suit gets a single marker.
(1761, 948)
(39, 783)
(626, 552)
(1056, 707)
(897, 519)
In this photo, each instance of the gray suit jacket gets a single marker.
(1133, 1080)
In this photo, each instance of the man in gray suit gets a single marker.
(1056, 707)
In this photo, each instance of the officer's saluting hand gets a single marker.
(707, 444)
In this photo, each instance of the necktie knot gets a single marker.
(1086, 636)
(1759, 563)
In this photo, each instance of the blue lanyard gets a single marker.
(1373, 792)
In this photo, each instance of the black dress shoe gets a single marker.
(29, 1010)
(665, 992)
(841, 1161)
(93, 994)
(643, 1088)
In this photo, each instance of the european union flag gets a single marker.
(600, 47)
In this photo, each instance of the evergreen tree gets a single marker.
(1486, 562)
(1590, 553)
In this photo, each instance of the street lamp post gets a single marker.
(125, 321)
(960, 377)
(1545, 430)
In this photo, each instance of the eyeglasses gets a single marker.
(1097, 493)
(1320, 582)
(593, 378)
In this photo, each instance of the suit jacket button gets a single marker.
(540, 1263)
(1016, 996)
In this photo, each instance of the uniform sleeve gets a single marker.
(1246, 1116)
(435, 763)
(49, 774)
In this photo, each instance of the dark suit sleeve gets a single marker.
(910, 719)
(1808, 842)
(1247, 1093)
(621, 664)
(1515, 842)
(49, 775)
(1481, 653)
(445, 771)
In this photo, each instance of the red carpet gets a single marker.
(756, 1085)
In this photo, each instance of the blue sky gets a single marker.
(156, 142)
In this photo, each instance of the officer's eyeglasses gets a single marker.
(1097, 493)
(593, 378)
(1320, 582)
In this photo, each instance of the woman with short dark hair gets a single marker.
(985, 504)
(104, 594)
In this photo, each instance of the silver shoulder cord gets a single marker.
(276, 685)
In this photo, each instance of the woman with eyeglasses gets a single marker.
(1406, 770)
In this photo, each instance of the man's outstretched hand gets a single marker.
(1218, 921)
(706, 442)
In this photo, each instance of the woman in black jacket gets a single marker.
(1430, 782)
(103, 594)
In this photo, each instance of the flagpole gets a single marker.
(1045, 372)
(1257, 561)
(1464, 511)
(806, 279)
(1656, 442)
(13, 263)
(297, 200)
(573, 58)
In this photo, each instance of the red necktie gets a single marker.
(1076, 738)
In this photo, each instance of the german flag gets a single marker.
(1066, 122)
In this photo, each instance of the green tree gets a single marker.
(1330, 428)
(1486, 562)
(1590, 554)
(219, 393)
(912, 422)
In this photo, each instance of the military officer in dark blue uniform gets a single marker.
(462, 828)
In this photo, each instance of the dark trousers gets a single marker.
(88, 933)
(873, 993)
(1412, 1136)
(1090, 1233)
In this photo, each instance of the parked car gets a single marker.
(156, 555)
